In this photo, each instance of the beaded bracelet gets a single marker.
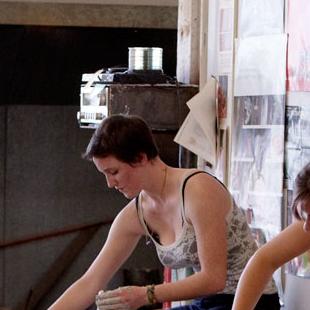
(150, 293)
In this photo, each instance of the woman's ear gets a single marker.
(141, 159)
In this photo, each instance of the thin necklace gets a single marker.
(164, 183)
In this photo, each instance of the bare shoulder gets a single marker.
(128, 219)
(204, 185)
(204, 193)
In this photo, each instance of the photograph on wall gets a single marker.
(297, 155)
(222, 95)
(297, 134)
(305, 126)
(258, 156)
(293, 163)
(292, 127)
(259, 110)
(222, 100)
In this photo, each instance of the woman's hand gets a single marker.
(127, 298)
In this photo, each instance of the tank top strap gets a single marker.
(139, 211)
(185, 179)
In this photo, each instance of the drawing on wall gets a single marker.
(260, 65)
(226, 28)
(260, 17)
(305, 126)
(221, 14)
(292, 127)
(220, 37)
(222, 126)
(257, 157)
(297, 135)
(297, 155)
(298, 56)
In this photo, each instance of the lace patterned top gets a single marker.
(183, 252)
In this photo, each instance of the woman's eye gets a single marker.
(113, 172)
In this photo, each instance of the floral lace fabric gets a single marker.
(183, 252)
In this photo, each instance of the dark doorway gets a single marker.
(42, 65)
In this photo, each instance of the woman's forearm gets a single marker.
(78, 296)
(252, 283)
(288, 244)
(194, 286)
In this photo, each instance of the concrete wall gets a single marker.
(94, 14)
(44, 184)
(2, 212)
(49, 187)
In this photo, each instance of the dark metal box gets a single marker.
(162, 106)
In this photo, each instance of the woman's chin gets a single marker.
(128, 195)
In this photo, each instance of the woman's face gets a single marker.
(304, 212)
(120, 175)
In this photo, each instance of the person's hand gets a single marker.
(126, 298)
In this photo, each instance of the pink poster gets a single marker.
(298, 45)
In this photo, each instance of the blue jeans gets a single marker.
(225, 301)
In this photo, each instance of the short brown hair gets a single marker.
(123, 136)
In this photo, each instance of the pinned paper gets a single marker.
(260, 65)
(198, 131)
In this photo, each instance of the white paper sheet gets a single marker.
(260, 65)
(260, 17)
(198, 131)
(220, 37)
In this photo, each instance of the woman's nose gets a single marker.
(111, 182)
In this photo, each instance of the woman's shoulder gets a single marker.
(201, 187)
(201, 178)
(183, 174)
(128, 217)
(194, 183)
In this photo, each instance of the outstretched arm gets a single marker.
(290, 243)
(206, 205)
(123, 237)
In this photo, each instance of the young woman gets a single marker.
(291, 242)
(188, 214)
